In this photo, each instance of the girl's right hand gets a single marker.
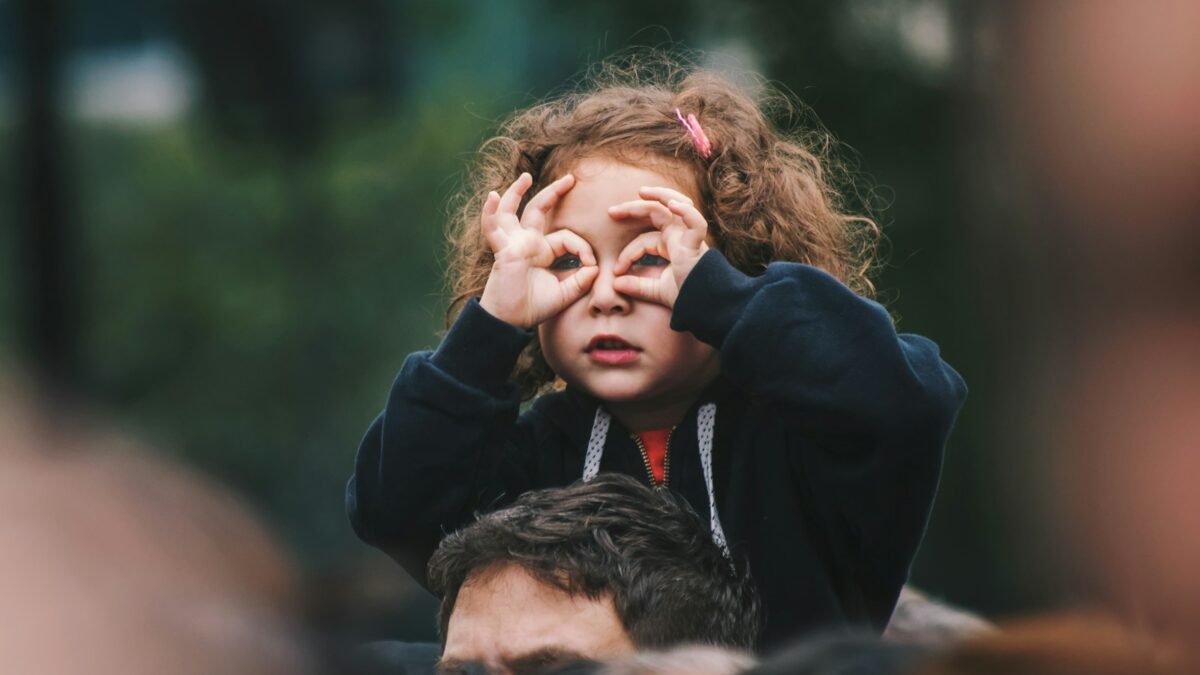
(531, 278)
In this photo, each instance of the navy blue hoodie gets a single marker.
(829, 434)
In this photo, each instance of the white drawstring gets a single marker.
(705, 422)
(591, 462)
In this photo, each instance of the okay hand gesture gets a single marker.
(675, 246)
(532, 278)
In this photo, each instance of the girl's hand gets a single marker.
(535, 275)
(654, 265)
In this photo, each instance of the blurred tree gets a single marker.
(49, 311)
(278, 71)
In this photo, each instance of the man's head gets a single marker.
(592, 570)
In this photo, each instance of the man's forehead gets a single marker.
(505, 615)
(505, 595)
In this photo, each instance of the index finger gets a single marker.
(565, 241)
(664, 195)
(545, 200)
(512, 196)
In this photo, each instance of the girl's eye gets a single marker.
(651, 260)
(567, 261)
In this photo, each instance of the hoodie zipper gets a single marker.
(646, 460)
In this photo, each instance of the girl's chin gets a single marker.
(615, 389)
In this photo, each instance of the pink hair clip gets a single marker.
(703, 146)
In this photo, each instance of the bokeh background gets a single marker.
(223, 231)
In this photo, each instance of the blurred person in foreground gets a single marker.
(842, 653)
(113, 561)
(1064, 645)
(921, 620)
(595, 570)
(1102, 100)
(1050, 645)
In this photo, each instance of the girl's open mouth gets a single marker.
(612, 350)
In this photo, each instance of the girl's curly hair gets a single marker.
(768, 194)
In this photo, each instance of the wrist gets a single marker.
(480, 349)
(491, 304)
(711, 302)
(683, 270)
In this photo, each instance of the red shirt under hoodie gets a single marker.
(655, 443)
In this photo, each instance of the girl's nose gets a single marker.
(603, 298)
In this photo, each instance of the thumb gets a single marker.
(641, 288)
(574, 286)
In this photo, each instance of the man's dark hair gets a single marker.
(647, 549)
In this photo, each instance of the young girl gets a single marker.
(676, 280)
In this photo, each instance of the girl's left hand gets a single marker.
(679, 239)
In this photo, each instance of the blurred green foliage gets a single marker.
(250, 308)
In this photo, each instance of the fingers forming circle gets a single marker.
(647, 242)
(578, 283)
(565, 241)
(641, 288)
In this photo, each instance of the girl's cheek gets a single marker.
(547, 337)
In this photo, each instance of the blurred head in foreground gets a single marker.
(593, 570)
(112, 561)
(921, 620)
(842, 653)
(1100, 103)
(1083, 645)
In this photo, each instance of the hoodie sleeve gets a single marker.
(448, 442)
(871, 408)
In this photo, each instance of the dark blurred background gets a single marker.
(223, 227)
